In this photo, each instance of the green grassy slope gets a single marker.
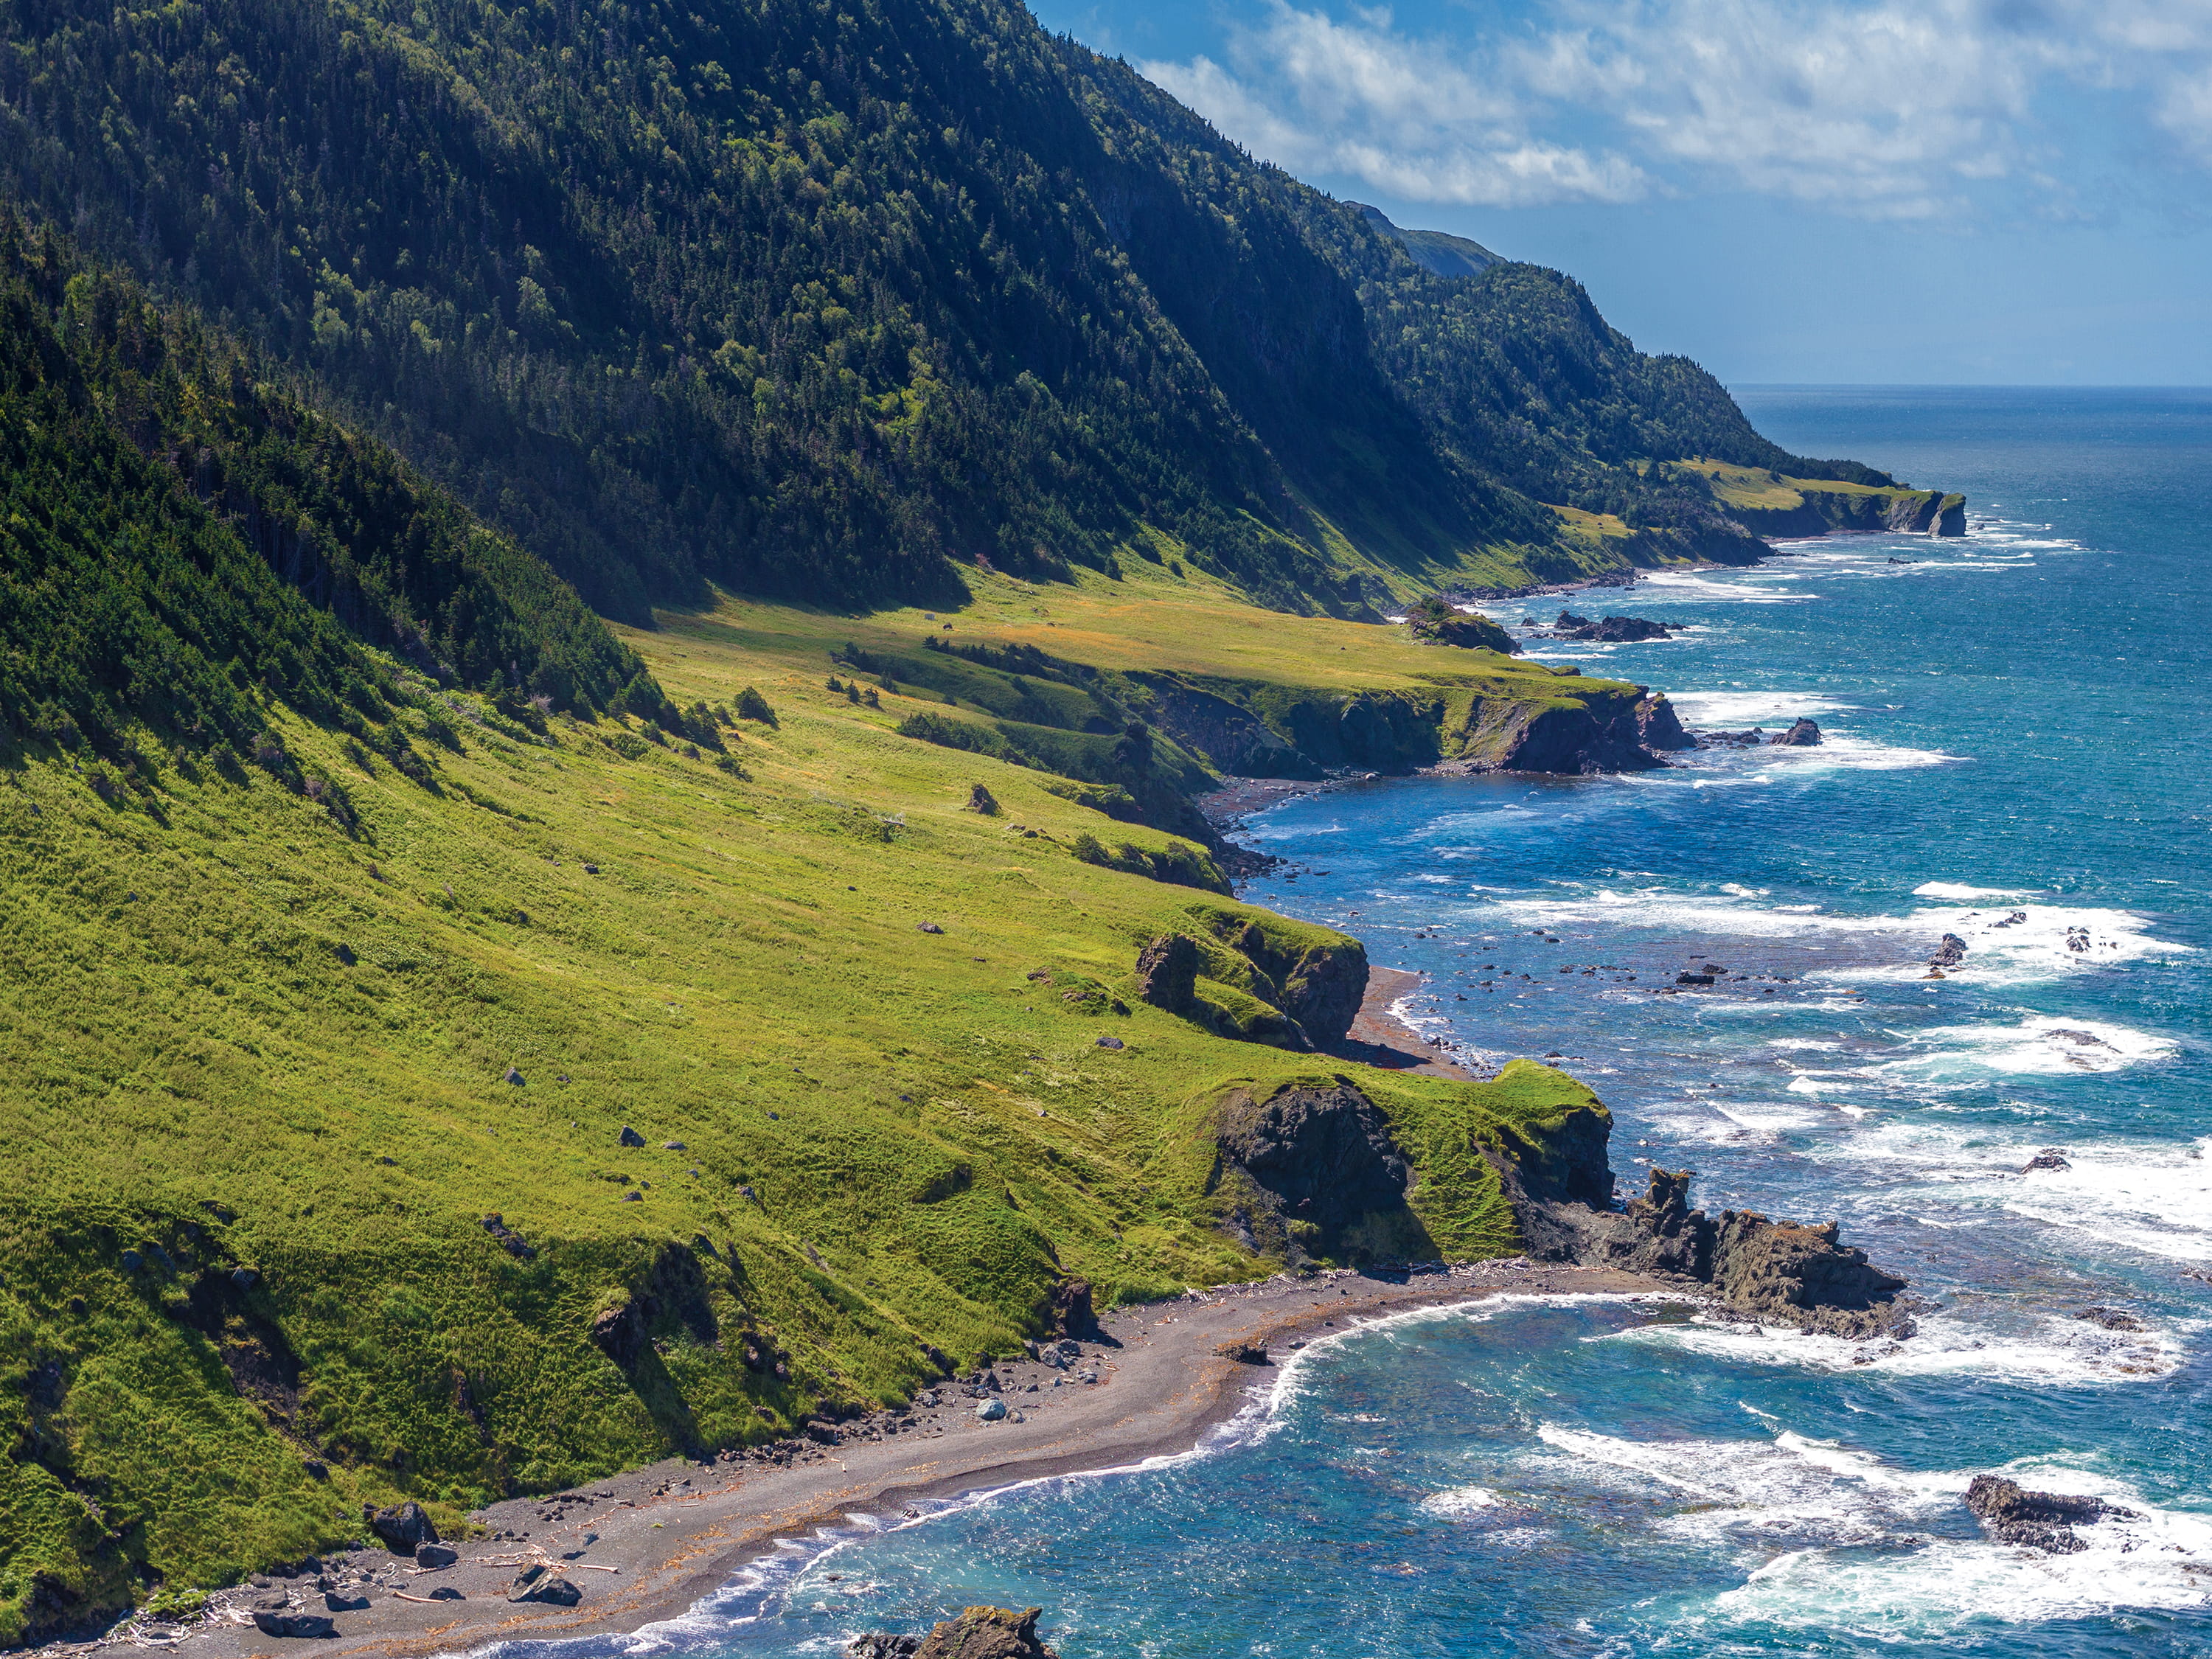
(242, 1041)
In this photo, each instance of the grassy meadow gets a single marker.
(268, 1075)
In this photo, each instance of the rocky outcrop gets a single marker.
(1776, 1271)
(1584, 738)
(1166, 974)
(1311, 1171)
(1658, 728)
(1802, 735)
(977, 1633)
(2011, 1514)
(1610, 631)
(1440, 622)
(1319, 982)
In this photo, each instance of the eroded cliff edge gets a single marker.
(1356, 1166)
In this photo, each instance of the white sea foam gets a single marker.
(2148, 1197)
(1682, 586)
(1460, 1500)
(2048, 940)
(1966, 895)
(2040, 1045)
(1759, 1492)
(2160, 1560)
(1735, 710)
(2056, 1350)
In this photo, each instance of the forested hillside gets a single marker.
(183, 548)
(833, 300)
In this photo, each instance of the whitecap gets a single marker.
(1460, 1500)
(1966, 895)
(2155, 1561)
(2039, 1045)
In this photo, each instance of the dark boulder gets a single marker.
(338, 1603)
(2049, 1158)
(619, 1334)
(403, 1527)
(981, 799)
(1802, 1275)
(2011, 1514)
(1167, 972)
(536, 1582)
(1802, 735)
(2112, 1319)
(294, 1624)
(1244, 1353)
(1750, 739)
(880, 1646)
(1070, 1310)
(432, 1556)
(509, 1240)
(446, 1593)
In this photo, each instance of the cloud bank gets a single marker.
(1889, 109)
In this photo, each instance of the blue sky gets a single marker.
(1934, 191)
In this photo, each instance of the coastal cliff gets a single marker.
(1773, 504)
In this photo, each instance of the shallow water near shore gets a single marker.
(2014, 754)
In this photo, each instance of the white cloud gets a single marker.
(1315, 95)
(1891, 108)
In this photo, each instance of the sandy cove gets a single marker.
(676, 1531)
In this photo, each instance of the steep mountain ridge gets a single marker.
(837, 302)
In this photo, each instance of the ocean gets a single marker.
(2014, 752)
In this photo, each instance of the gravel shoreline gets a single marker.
(650, 1544)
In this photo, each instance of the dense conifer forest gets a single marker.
(832, 302)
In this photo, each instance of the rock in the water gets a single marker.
(1777, 1272)
(1949, 953)
(2049, 1158)
(1167, 972)
(879, 1646)
(1244, 1353)
(1750, 739)
(294, 1624)
(1802, 735)
(1658, 727)
(2040, 1519)
(1613, 630)
(986, 1633)
(402, 1528)
(2112, 1319)
(434, 1556)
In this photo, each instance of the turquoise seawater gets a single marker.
(2016, 753)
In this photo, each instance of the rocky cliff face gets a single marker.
(1913, 512)
(1311, 1171)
